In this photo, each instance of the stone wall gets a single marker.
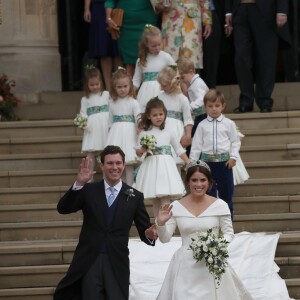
(29, 46)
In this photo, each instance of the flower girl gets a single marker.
(151, 60)
(179, 117)
(157, 176)
(93, 117)
(123, 114)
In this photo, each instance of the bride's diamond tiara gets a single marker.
(198, 163)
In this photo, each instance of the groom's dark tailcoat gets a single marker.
(91, 199)
(259, 30)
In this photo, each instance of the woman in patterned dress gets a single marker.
(181, 28)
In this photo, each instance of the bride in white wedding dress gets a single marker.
(251, 272)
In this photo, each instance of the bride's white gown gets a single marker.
(251, 274)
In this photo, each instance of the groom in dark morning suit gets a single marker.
(100, 266)
(256, 25)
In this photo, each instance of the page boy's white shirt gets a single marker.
(215, 136)
(196, 92)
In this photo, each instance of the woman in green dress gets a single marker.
(137, 13)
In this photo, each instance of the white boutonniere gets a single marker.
(129, 193)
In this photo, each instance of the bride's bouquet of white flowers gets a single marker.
(81, 121)
(212, 247)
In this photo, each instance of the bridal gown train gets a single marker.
(251, 274)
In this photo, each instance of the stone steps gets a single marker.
(32, 195)
(22, 129)
(17, 280)
(45, 292)
(31, 178)
(270, 152)
(43, 230)
(285, 97)
(69, 227)
(274, 120)
(273, 169)
(266, 204)
(65, 127)
(289, 267)
(56, 252)
(41, 293)
(277, 136)
(267, 222)
(35, 212)
(43, 161)
(40, 144)
(56, 177)
(268, 187)
(39, 160)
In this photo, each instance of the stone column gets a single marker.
(29, 46)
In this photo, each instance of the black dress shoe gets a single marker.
(266, 110)
(242, 109)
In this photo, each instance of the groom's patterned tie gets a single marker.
(111, 198)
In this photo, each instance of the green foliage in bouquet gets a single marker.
(7, 100)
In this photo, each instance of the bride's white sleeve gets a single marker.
(226, 227)
(166, 231)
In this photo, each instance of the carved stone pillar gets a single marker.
(29, 46)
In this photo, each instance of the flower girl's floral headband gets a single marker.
(198, 163)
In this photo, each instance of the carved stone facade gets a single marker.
(29, 46)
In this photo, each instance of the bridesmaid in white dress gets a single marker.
(123, 114)
(157, 177)
(151, 60)
(94, 106)
(179, 117)
(197, 211)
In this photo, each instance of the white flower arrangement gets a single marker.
(81, 121)
(212, 247)
(148, 142)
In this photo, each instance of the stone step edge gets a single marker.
(50, 290)
(45, 269)
(259, 164)
(273, 164)
(41, 140)
(41, 155)
(270, 131)
(51, 206)
(286, 237)
(288, 146)
(76, 154)
(36, 189)
(27, 291)
(36, 123)
(45, 189)
(77, 223)
(38, 172)
(288, 260)
(254, 115)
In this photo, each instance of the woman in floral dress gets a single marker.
(182, 23)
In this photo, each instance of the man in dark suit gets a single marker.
(100, 266)
(256, 24)
(212, 45)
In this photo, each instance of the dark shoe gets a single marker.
(266, 110)
(242, 109)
